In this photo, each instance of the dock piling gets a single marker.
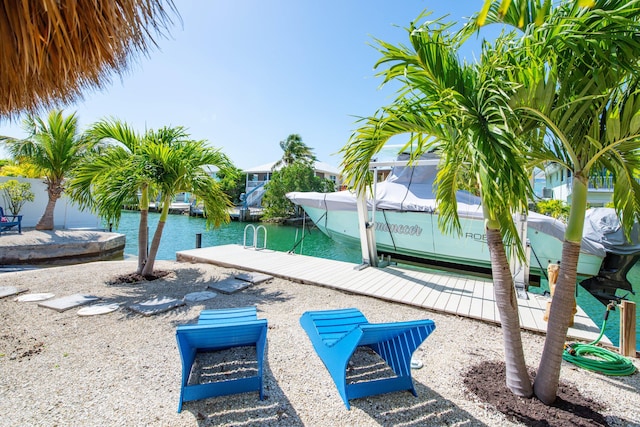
(628, 328)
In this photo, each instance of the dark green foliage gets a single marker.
(297, 176)
(553, 208)
(232, 183)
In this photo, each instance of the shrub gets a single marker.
(15, 194)
(298, 176)
(553, 208)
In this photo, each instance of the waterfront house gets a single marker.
(558, 185)
(258, 176)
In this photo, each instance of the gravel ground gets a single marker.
(124, 369)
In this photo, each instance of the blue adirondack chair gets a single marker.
(336, 334)
(10, 221)
(219, 330)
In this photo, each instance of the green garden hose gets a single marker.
(602, 360)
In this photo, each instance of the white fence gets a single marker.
(66, 215)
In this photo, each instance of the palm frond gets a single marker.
(114, 130)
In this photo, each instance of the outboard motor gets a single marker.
(612, 276)
(602, 226)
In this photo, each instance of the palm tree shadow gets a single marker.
(182, 281)
(401, 408)
(432, 285)
(428, 408)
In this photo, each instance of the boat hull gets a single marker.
(416, 235)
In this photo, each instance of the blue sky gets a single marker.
(244, 74)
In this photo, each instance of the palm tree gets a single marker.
(294, 150)
(54, 147)
(522, 13)
(460, 110)
(580, 85)
(162, 162)
(177, 164)
(106, 176)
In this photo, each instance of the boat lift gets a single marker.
(367, 221)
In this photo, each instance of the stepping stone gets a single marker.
(230, 285)
(35, 297)
(6, 291)
(70, 301)
(199, 296)
(96, 309)
(416, 364)
(156, 305)
(253, 277)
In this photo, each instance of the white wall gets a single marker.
(66, 215)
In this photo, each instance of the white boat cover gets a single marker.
(601, 225)
(406, 189)
(410, 189)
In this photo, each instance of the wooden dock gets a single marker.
(458, 294)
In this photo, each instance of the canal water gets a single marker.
(180, 234)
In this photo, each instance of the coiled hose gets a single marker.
(602, 360)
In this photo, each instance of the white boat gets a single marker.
(404, 214)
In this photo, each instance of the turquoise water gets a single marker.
(180, 234)
(180, 231)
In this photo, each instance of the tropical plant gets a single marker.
(163, 162)
(23, 169)
(176, 164)
(579, 76)
(294, 150)
(462, 111)
(522, 13)
(15, 194)
(553, 208)
(54, 147)
(92, 187)
(295, 177)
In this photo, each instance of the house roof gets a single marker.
(318, 167)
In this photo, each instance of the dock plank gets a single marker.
(446, 292)
(475, 309)
(488, 303)
(466, 298)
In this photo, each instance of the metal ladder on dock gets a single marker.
(256, 232)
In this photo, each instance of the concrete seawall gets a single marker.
(59, 247)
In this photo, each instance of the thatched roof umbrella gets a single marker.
(52, 50)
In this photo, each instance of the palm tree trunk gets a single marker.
(143, 230)
(548, 376)
(54, 190)
(545, 385)
(157, 235)
(518, 380)
(143, 239)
